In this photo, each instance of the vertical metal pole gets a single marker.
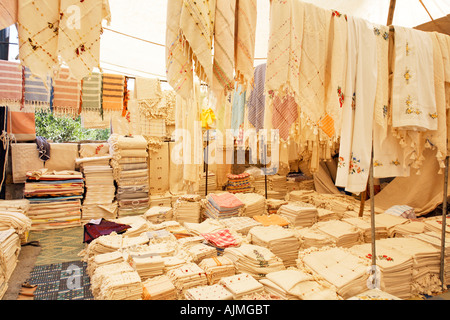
(444, 224)
(372, 212)
(206, 168)
(265, 166)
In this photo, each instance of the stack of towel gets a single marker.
(55, 198)
(222, 206)
(254, 204)
(343, 234)
(241, 285)
(13, 215)
(9, 253)
(212, 183)
(217, 268)
(187, 276)
(241, 225)
(299, 214)
(187, 208)
(159, 288)
(211, 292)
(131, 173)
(239, 183)
(146, 265)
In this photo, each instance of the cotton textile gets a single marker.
(241, 284)
(257, 99)
(66, 95)
(9, 7)
(10, 84)
(112, 92)
(37, 92)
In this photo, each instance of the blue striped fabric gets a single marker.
(36, 91)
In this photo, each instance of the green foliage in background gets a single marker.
(66, 129)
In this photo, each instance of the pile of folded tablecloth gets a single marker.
(131, 173)
(187, 208)
(241, 225)
(254, 204)
(239, 183)
(217, 268)
(187, 276)
(299, 214)
(158, 214)
(55, 198)
(241, 284)
(343, 234)
(14, 215)
(10, 248)
(209, 292)
(222, 206)
(159, 288)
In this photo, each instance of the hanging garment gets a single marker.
(314, 48)
(223, 62)
(197, 28)
(178, 65)
(336, 67)
(257, 99)
(36, 92)
(9, 16)
(66, 95)
(237, 109)
(10, 83)
(389, 156)
(112, 92)
(413, 100)
(358, 109)
(246, 15)
(79, 37)
(284, 115)
(37, 26)
(284, 48)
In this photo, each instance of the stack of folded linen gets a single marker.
(239, 183)
(173, 227)
(299, 214)
(222, 206)
(242, 225)
(301, 195)
(163, 249)
(435, 224)
(343, 234)
(254, 204)
(156, 236)
(434, 238)
(210, 292)
(241, 284)
(201, 251)
(9, 252)
(146, 265)
(103, 260)
(138, 225)
(325, 215)
(103, 272)
(162, 200)
(223, 238)
(217, 268)
(55, 198)
(131, 173)
(121, 286)
(159, 288)
(272, 220)
(294, 284)
(389, 222)
(99, 199)
(187, 276)
(276, 186)
(190, 241)
(173, 262)
(339, 267)
(187, 209)
(426, 263)
(374, 294)
(410, 228)
(281, 241)
(206, 226)
(395, 268)
(212, 184)
(158, 214)
(13, 215)
(311, 237)
(272, 205)
(366, 229)
(254, 260)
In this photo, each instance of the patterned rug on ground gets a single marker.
(61, 281)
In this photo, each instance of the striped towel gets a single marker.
(37, 92)
(256, 102)
(112, 92)
(284, 115)
(66, 95)
(10, 83)
(91, 94)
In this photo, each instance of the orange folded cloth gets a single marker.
(272, 219)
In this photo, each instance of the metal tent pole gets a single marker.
(444, 224)
(206, 165)
(372, 212)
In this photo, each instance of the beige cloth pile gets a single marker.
(435, 224)
(254, 260)
(254, 204)
(241, 225)
(343, 234)
(299, 214)
(103, 260)
(9, 254)
(138, 225)
(121, 286)
(187, 276)
(326, 215)
(365, 228)
(311, 237)
(164, 200)
(99, 200)
(410, 228)
(212, 183)
(157, 236)
(103, 272)
(426, 263)
(272, 205)
(374, 294)
(158, 214)
(281, 241)
(276, 186)
(206, 226)
(201, 251)
(159, 288)
(146, 265)
(390, 222)
(210, 292)
(187, 209)
(340, 268)
(294, 284)
(301, 195)
(241, 284)
(395, 268)
(217, 268)
(13, 215)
